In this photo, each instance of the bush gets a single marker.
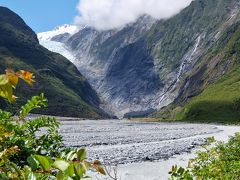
(25, 152)
(220, 162)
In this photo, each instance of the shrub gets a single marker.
(25, 152)
(219, 162)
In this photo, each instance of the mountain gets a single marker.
(209, 89)
(95, 54)
(60, 33)
(66, 30)
(68, 92)
(181, 66)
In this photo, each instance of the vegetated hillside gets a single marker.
(219, 102)
(68, 91)
(211, 90)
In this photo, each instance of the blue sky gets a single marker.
(43, 15)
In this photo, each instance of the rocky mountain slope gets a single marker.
(95, 55)
(151, 63)
(210, 90)
(68, 91)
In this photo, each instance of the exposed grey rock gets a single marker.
(61, 37)
(146, 65)
(122, 141)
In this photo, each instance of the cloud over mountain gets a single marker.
(110, 14)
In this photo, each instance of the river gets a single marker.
(142, 151)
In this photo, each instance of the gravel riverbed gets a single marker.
(122, 141)
(137, 145)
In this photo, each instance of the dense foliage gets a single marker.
(220, 162)
(32, 148)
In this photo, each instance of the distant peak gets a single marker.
(66, 28)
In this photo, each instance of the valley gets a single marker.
(152, 64)
(142, 96)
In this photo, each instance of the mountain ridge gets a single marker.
(68, 91)
(88, 40)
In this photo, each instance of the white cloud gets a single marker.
(110, 14)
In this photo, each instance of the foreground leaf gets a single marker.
(81, 154)
(61, 165)
(12, 77)
(26, 76)
(32, 162)
(3, 80)
(44, 162)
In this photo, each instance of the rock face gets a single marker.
(123, 85)
(150, 63)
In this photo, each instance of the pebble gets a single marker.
(123, 141)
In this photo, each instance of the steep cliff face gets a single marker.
(68, 91)
(152, 63)
(183, 41)
(210, 90)
(98, 56)
(121, 83)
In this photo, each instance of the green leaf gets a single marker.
(61, 165)
(44, 162)
(81, 154)
(16, 168)
(32, 163)
(86, 165)
(71, 156)
(3, 177)
(3, 79)
(6, 92)
(70, 170)
(31, 176)
(34, 103)
(79, 170)
(60, 175)
(181, 171)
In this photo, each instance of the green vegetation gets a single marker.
(218, 103)
(210, 91)
(171, 39)
(220, 162)
(25, 152)
(68, 91)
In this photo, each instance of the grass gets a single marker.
(219, 102)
